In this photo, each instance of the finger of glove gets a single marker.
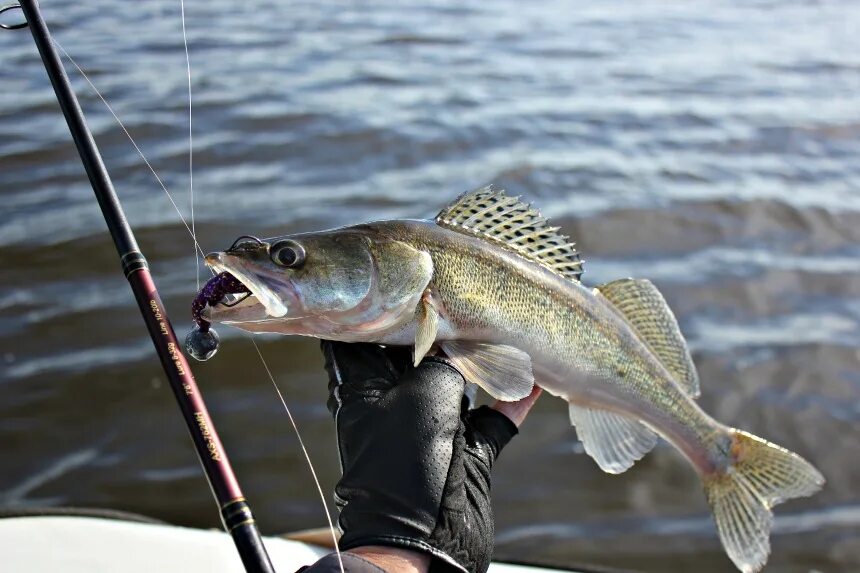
(352, 363)
(488, 432)
(347, 363)
(357, 369)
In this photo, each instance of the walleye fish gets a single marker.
(498, 289)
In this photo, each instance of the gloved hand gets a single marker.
(415, 460)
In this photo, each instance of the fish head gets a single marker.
(349, 284)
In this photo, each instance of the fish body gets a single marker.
(497, 288)
(581, 348)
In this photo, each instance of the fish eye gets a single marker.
(287, 253)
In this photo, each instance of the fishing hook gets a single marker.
(244, 238)
(237, 301)
(18, 26)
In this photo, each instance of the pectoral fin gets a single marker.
(504, 372)
(614, 441)
(428, 323)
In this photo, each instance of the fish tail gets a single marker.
(758, 476)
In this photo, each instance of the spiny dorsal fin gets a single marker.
(646, 310)
(492, 215)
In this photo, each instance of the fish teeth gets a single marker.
(271, 301)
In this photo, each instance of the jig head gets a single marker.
(202, 342)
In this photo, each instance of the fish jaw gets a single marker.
(264, 302)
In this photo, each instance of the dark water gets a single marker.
(713, 147)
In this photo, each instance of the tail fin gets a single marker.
(759, 476)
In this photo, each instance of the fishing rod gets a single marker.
(235, 512)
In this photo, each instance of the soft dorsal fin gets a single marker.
(492, 215)
(646, 310)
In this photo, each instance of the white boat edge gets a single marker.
(74, 544)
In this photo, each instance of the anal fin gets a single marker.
(504, 372)
(614, 441)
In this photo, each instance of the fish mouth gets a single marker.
(259, 290)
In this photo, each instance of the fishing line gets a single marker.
(254, 342)
(199, 251)
(134, 143)
(190, 143)
(304, 450)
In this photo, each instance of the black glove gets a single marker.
(415, 460)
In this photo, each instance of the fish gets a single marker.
(498, 289)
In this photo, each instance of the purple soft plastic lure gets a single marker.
(213, 291)
(202, 342)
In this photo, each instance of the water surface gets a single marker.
(710, 146)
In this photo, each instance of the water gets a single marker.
(709, 146)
